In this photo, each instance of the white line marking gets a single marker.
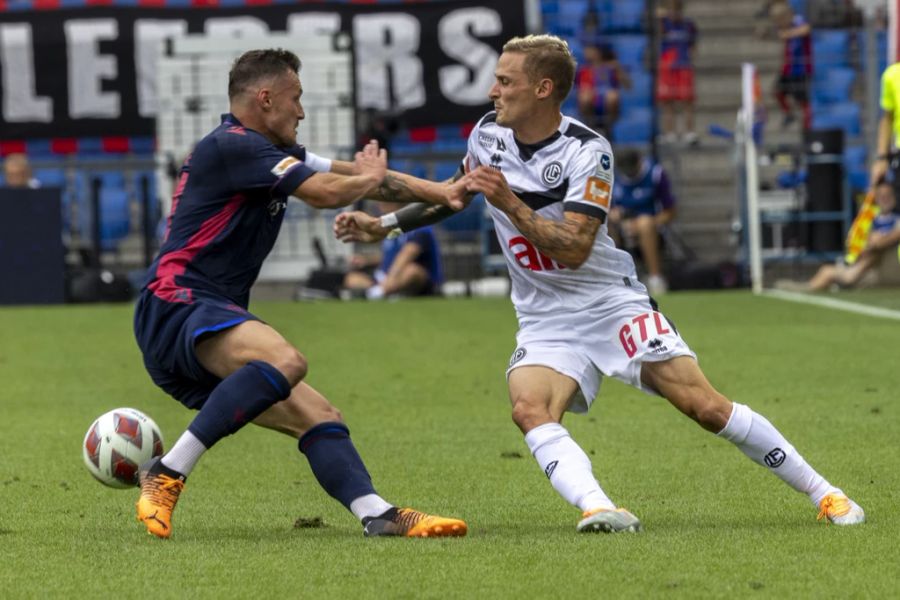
(854, 307)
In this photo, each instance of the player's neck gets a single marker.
(251, 121)
(539, 128)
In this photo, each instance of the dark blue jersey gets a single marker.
(226, 212)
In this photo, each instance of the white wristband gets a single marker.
(389, 221)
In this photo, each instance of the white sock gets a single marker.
(567, 466)
(757, 438)
(370, 505)
(184, 454)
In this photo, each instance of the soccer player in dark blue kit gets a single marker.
(202, 346)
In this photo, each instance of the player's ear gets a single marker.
(264, 98)
(544, 88)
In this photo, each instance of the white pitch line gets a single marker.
(854, 307)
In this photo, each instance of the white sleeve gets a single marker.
(317, 163)
(590, 181)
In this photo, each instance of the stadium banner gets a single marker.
(77, 72)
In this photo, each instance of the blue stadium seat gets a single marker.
(411, 167)
(640, 94)
(621, 15)
(834, 84)
(629, 49)
(573, 10)
(446, 169)
(830, 48)
(115, 218)
(634, 126)
(842, 115)
(51, 177)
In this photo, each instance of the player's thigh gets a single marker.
(534, 389)
(644, 225)
(680, 381)
(301, 411)
(358, 280)
(227, 351)
(414, 277)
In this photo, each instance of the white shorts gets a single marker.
(613, 338)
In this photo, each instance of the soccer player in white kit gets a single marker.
(582, 312)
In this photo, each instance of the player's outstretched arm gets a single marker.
(568, 242)
(333, 190)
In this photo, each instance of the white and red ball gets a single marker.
(116, 445)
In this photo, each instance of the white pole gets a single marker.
(748, 72)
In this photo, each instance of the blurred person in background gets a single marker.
(883, 239)
(408, 265)
(792, 86)
(675, 82)
(598, 82)
(888, 140)
(17, 172)
(643, 204)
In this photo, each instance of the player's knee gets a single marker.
(527, 414)
(292, 365)
(713, 412)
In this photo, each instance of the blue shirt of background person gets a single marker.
(678, 37)
(428, 257)
(647, 192)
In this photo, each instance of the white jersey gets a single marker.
(572, 170)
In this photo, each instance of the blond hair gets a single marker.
(546, 56)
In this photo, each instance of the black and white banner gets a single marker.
(91, 71)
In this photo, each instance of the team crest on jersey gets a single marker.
(283, 165)
(486, 140)
(605, 160)
(552, 173)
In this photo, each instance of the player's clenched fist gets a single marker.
(493, 185)
(357, 226)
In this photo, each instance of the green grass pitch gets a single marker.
(421, 385)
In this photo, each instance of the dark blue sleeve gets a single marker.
(253, 162)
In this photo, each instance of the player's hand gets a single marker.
(357, 226)
(458, 195)
(372, 161)
(878, 171)
(493, 185)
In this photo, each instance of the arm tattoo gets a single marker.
(394, 189)
(567, 241)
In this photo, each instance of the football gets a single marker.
(117, 443)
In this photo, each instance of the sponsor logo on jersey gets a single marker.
(597, 191)
(518, 355)
(486, 140)
(283, 165)
(774, 458)
(552, 173)
(276, 206)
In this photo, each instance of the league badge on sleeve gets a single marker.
(604, 167)
(284, 165)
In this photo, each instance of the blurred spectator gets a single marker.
(408, 265)
(888, 128)
(675, 83)
(883, 239)
(375, 125)
(598, 84)
(643, 203)
(17, 172)
(796, 69)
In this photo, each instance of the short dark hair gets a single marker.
(254, 65)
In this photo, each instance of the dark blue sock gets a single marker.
(335, 462)
(237, 400)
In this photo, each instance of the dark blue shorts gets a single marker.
(166, 333)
